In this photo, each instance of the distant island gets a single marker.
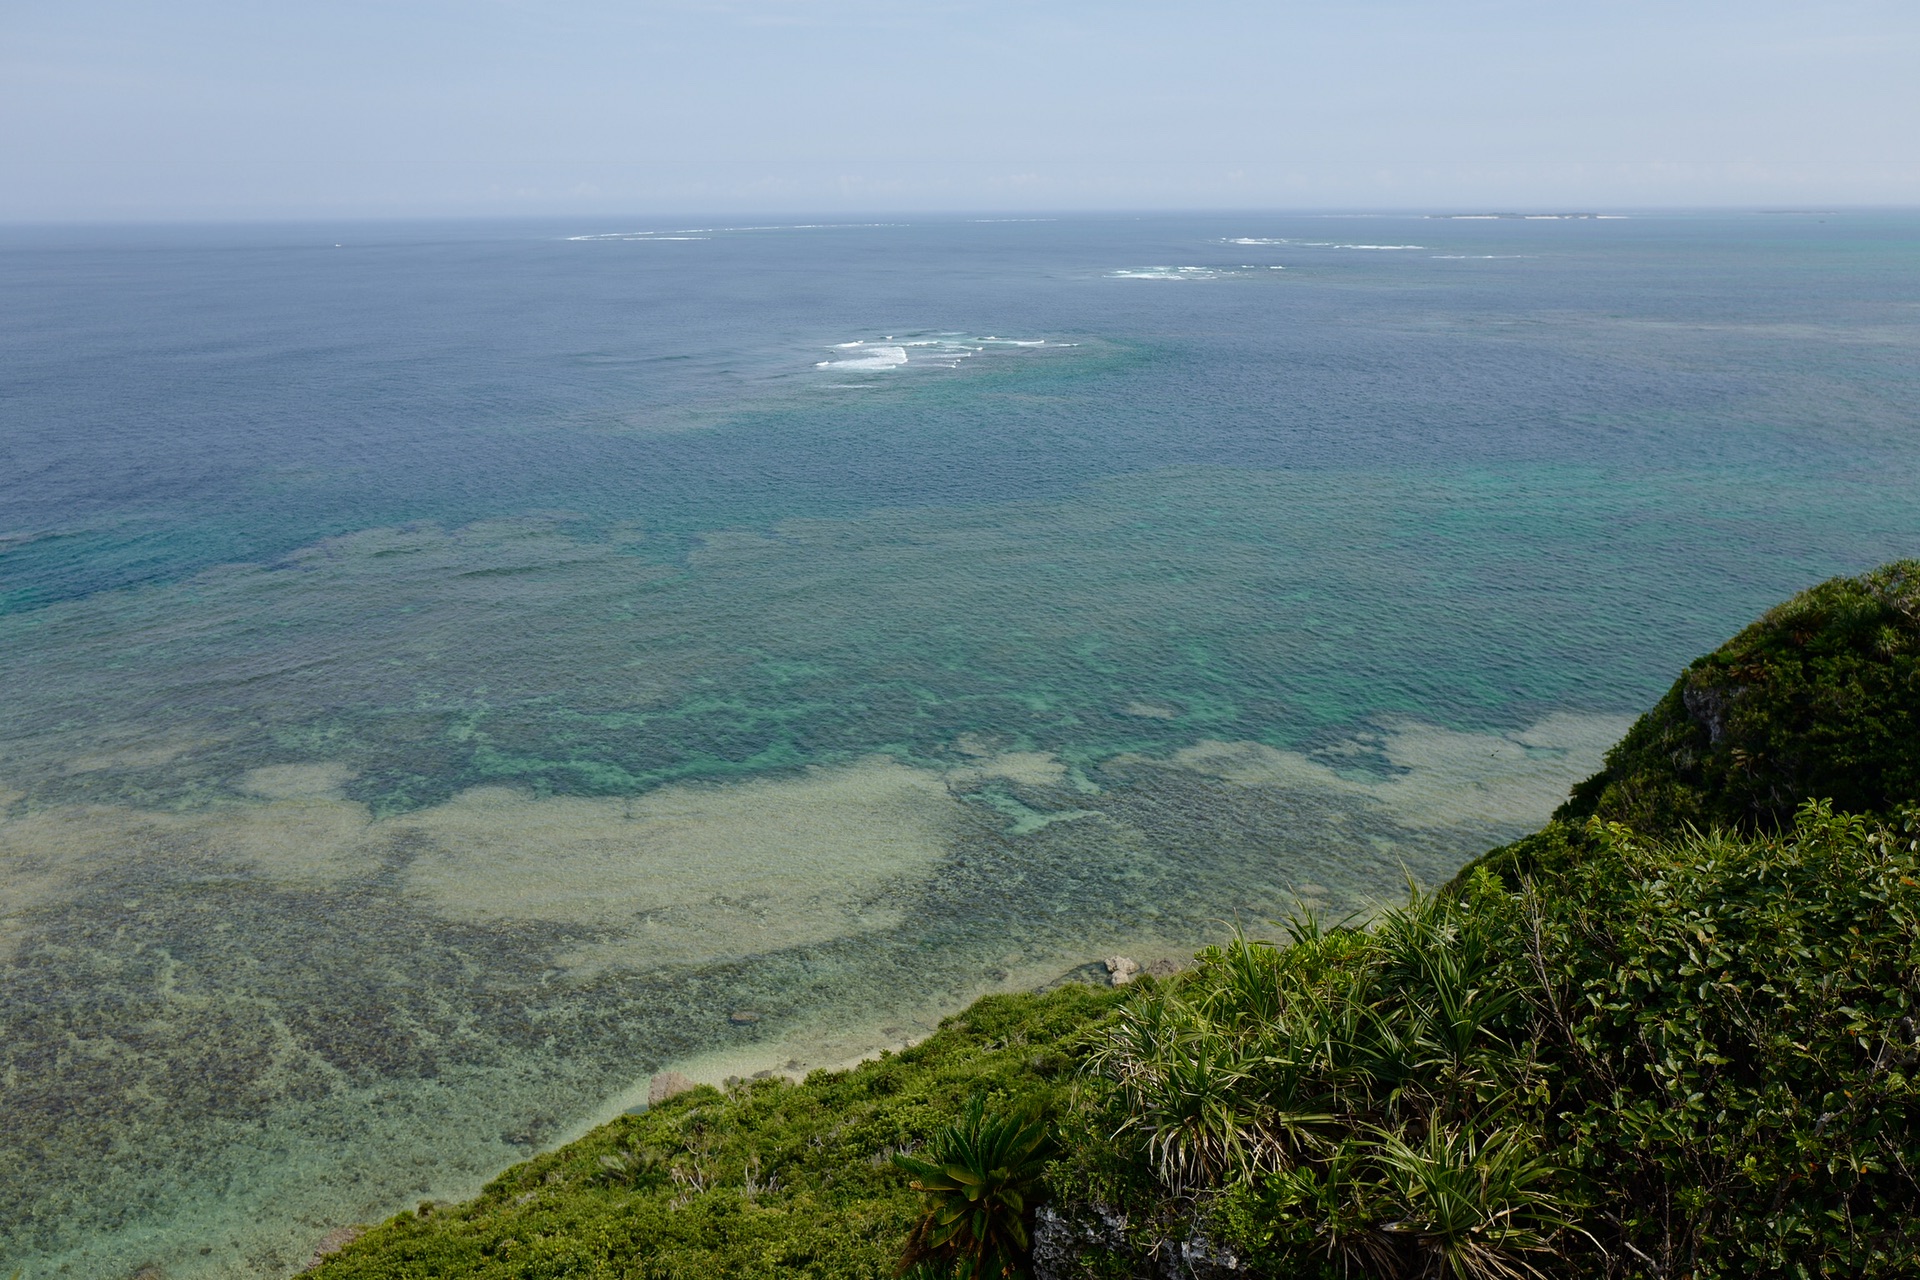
(1672, 1033)
(1521, 217)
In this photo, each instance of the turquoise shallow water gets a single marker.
(449, 672)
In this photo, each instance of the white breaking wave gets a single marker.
(870, 358)
(939, 349)
(1167, 273)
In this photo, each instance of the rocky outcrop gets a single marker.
(331, 1243)
(1080, 1241)
(1066, 1241)
(1708, 707)
(666, 1085)
(1202, 1259)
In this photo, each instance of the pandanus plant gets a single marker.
(978, 1177)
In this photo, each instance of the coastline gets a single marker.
(801, 1051)
(781, 1057)
(526, 884)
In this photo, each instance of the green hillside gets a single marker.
(1820, 699)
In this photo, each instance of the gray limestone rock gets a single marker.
(1061, 1239)
(666, 1085)
(1075, 1241)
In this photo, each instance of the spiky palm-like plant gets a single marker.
(1476, 1205)
(978, 1177)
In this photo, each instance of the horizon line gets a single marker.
(847, 218)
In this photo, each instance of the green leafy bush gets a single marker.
(1732, 1028)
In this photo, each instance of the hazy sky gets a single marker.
(265, 108)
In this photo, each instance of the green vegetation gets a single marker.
(769, 1179)
(1689, 1057)
(1671, 1034)
(1356, 1102)
(1820, 699)
(978, 1178)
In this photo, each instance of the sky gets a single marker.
(264, 109)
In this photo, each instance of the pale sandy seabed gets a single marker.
(851, 906)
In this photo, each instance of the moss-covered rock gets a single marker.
(1819, 699)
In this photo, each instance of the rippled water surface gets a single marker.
(449, 670)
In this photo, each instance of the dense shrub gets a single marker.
(1694, 1057)
(1356, 1102)
(1732, 1026)
(1820, 699)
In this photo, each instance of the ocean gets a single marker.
(453, 671)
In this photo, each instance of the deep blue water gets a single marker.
(183, 398)
(1111, 505)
